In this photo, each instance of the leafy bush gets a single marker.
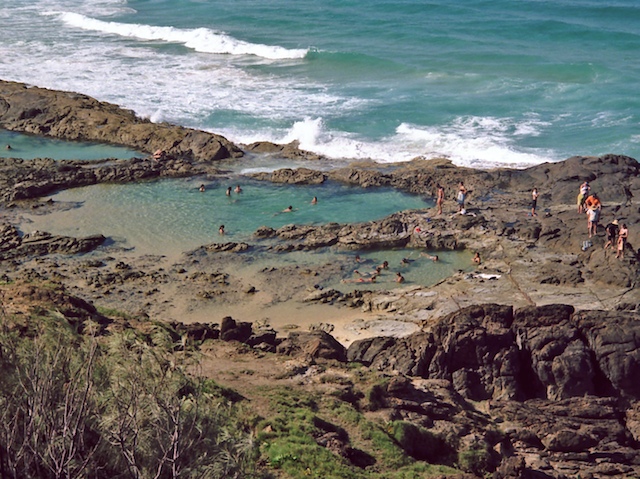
(416, 441)
(80, 406)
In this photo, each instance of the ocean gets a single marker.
(484, 83)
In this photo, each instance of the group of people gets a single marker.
(238, 189)
(590, 204)
(461, 197)
(618, 235)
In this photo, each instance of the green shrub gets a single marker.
(476, 459)
(417, 441)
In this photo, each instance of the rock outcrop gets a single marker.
(72, 116)
(493, 352)
(29, 179)
(13, 245)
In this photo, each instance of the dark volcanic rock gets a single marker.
(231, 330)
(38, 243)
(72, 116)
(490, 351)
(300, 176)
(315, 344)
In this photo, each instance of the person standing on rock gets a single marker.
(462, 196)
(582, 195)
(628, 195)
(612, 233)
(439, 198)
(593, 208)
(534, 201)
(623, 234)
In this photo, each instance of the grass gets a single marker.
(288, 441)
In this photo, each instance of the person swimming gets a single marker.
(221, 230)
(202, 188)
(371, 279)
(433, 258)
(238, 189)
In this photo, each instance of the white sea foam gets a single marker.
(199, 39)
(470, 141)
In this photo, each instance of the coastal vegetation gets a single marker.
(86, 395)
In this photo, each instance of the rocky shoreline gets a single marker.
(543, 328)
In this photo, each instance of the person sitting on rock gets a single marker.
(159, 155)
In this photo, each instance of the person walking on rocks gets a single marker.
(439, 198)
(628, 195)
(623, 234)
(582, 195)
(612, 233)
(462, 195)
(534, 201)
(593, 207)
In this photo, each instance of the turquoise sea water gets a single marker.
(485, 83)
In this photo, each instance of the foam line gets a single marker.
(199, 39)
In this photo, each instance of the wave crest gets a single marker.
(199, 39)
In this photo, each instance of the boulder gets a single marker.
(315, 344)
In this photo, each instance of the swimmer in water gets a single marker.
(433, 258)
(372, 279)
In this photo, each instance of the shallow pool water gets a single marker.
(164, 217)
(30, 146)
(170, 217)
